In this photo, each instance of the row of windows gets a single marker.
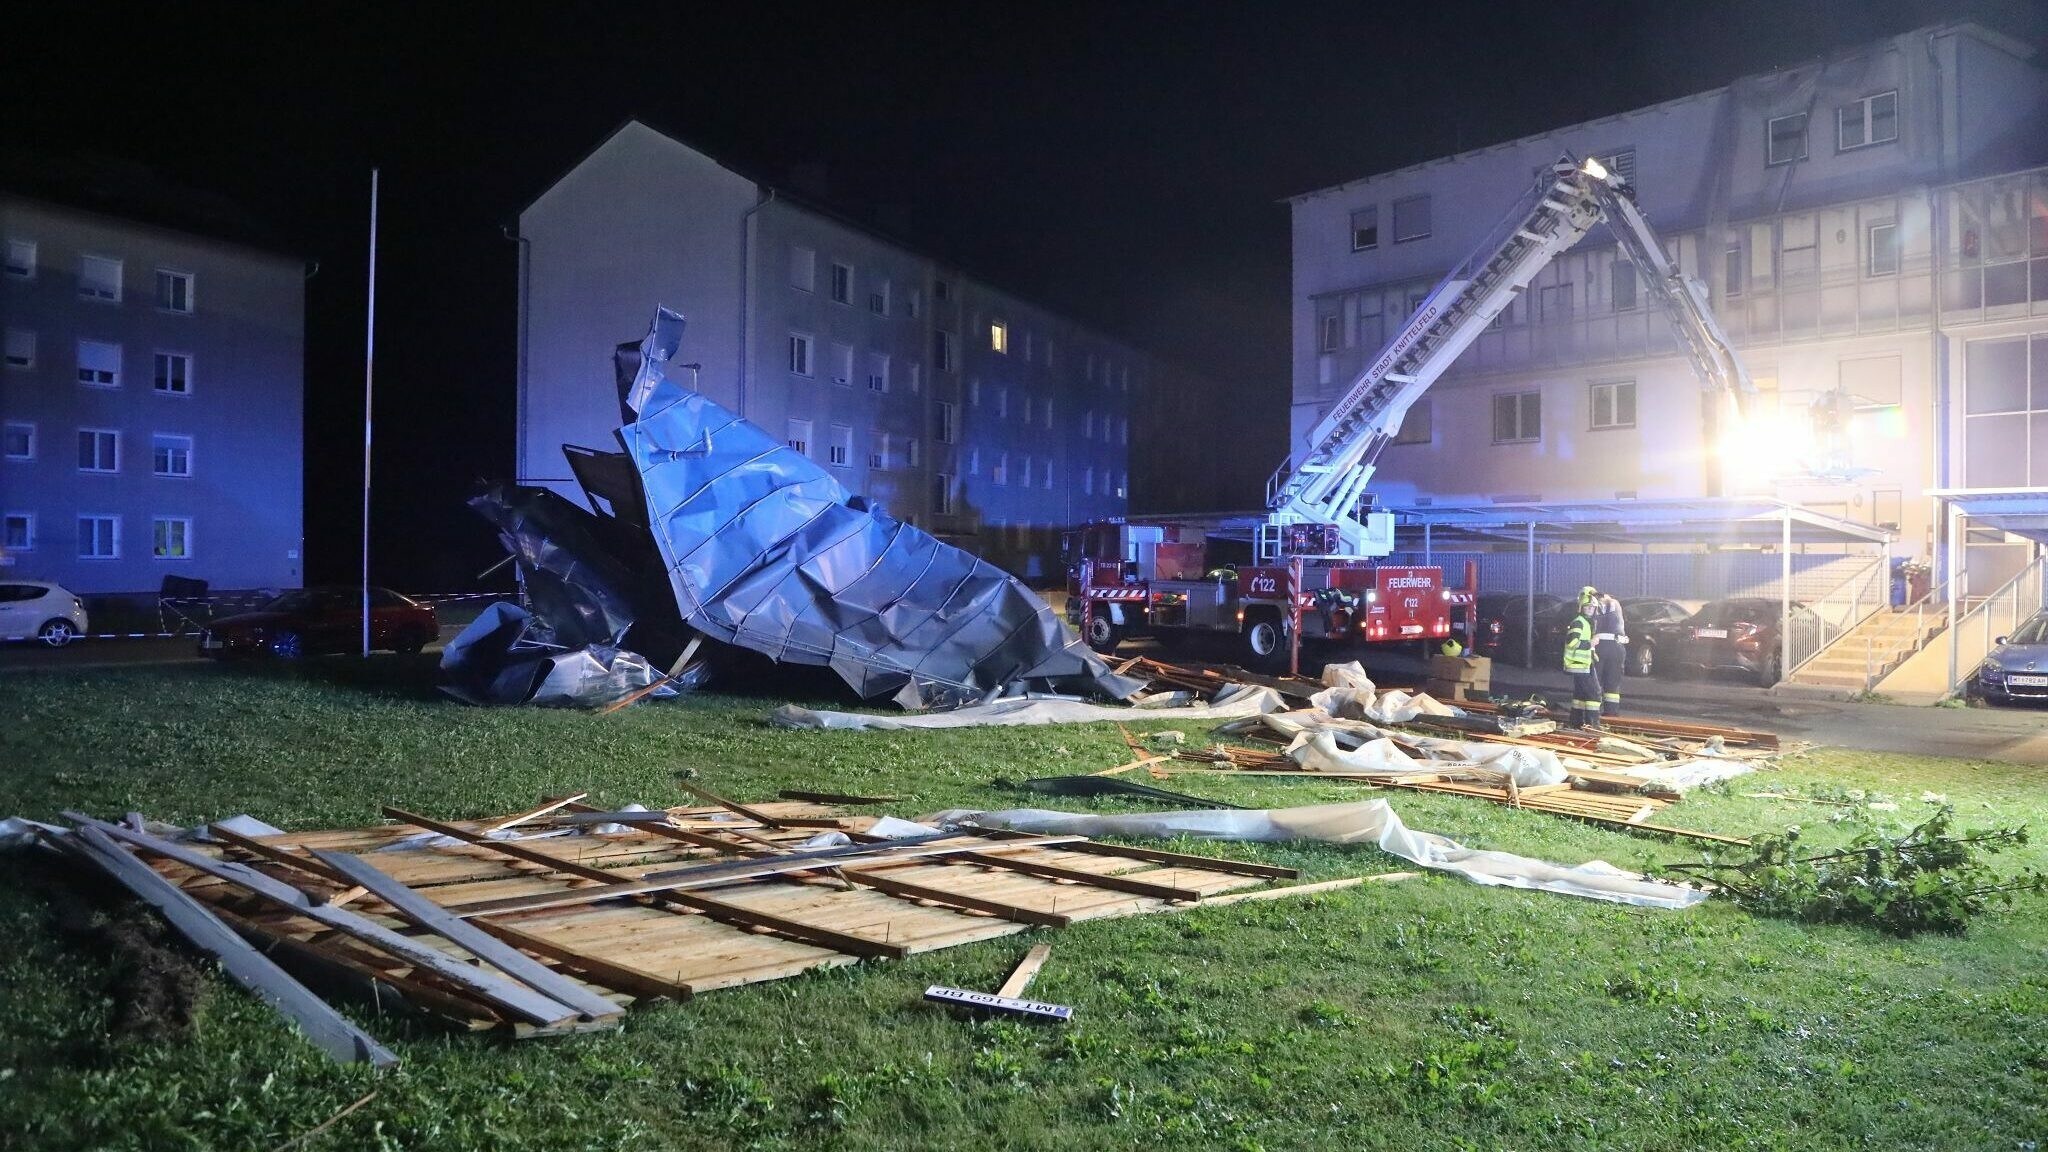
(1518, 416)
(1858, 124)
(1410, 220)
(888, 452)
(803, 361)
(803, 276)
(100, 277)
(99, 536)
(99, 363)
(99, 449)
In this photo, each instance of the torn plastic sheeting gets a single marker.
(1527, 767)
(1350, 694)
(764, 549)
(1363, 822)
(1686, 775)
(1246, 700)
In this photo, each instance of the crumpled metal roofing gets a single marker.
(764, 549)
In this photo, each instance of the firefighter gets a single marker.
(1580, 659)
(1610, 657)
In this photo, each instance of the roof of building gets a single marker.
(134, 192)
(1990, 36)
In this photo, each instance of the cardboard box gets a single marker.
(1473, 671)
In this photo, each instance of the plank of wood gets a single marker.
(956, 899)
(1307, 889)
(431, 916)
(1096, 879)
(488, 986)
(546, 807)
(600, 969)
(1160, 856)
(324, 1027)
(802, 930)
(734, 806)
(1020, 978)
(836, 797)
(1141, 762)
(278, 855)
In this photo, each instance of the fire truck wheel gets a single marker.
(1265, 641)
(1104, 634)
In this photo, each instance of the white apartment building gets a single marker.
(1873, 231)
(981, 417)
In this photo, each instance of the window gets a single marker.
(1088, 481)
(174, 373)
(1419, 425)
(99, 278)
(878, 448)
(803, 269)
(99, 450)
(1027, 347)
(878, 299)
(1088, 425)
(941, 290)
(2005, 413)
(974, 392)
(1785, 139)
(99, 364)
(1000, 471)
(1736, 278)
(99, 537)
(942, 495)
(842, 365)
(913, 303)
(18, 441)
(800, 354)
(916, 373)
(1027, 411)
(173, 538)
(1123, 484)
(21, 259)
(21, 348)
(1517, 417)
(1553, 304)
(173, 290)
(842, 284)
(171, 455)
(799, 437)
(1333, 332)
(1045, 478)
(974, 461)
(1622, 284)
(1002, 403)
(839, 452)
(1024, 471)
(912, 457)
(1871, 120)
(1614, 405)
(1123, 430)
(1623, 164)
(1881, 245)
(942, 423)
(1411, 218)
(1365, 228)
(1048, 414)
(878, 372)
(942, 351)
(998, 338)
(18, 532)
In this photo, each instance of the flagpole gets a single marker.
(369, 385)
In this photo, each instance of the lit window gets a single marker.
(998, 338)
(21, 259)
(1365, 228)
(1871, 120)
(18, 441)
(173, 290)
(99, 278)
(842, 284)
(1517, 417)
(1785, 139)
(173, 538)
(171, 455)
(99, 537)
(174, 373)
(1882, 243)
(1411, 218)
(99, 364)
(21, 348)
(1614, 405)
(803, 269)
(839, 452)
(18, 531)
(99, 450)
(942, 423)
(800, 354)
(799, 437)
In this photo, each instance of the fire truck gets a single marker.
(1306, 568)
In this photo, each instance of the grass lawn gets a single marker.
(1427, 1014)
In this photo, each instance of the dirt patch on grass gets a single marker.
(156, 991)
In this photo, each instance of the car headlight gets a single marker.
(1992, 670)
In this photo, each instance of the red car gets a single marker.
(315, 620)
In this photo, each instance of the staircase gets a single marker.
(1864, 654)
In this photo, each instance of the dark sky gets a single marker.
(1119, 162)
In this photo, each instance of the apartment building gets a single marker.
(1873, 232)
(983, 418)
(150, 397)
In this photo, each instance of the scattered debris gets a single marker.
(1007, 999)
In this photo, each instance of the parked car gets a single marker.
(315, 620)
(1741, 635)
(2017, 668)
(40, 610)
(1501, 629)
(1653, 624)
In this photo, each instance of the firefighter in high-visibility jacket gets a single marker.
(1581, 657)
(1610, 651)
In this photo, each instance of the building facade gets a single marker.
(1873, 232)
(987, 420)
(151, 404)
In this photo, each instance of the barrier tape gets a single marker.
(194, 613)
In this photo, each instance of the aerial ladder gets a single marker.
(1316, 501)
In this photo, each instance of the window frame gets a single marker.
(114, 538)
(28, 426)
(947, 421)
(7, 259)
(809, 344)
(1867, 106)
(157, 355)
(120, 278)
(157, 524)
(1613, 387)
(1870, 231)
(839, 447)
(120, 362)
(840, 289)
(1522, 434)
(1402, 434)
(191, 283)
(1330, 333)
(155, 446)
(1371, 228)
(7, 349)
(878, 299)
(999, 337)
(1770, 139)
(1623, 271)
(1428, 222)
(96, 433)
(799, 444)
(942, 489)
(878, 382)
(28, 520)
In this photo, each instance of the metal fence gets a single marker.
(1836, 613)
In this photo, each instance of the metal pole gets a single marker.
(1529, 605)
(369, 379)
(1785, 592)
(1426, 561)
(1953, 546)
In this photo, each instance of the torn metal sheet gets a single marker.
(498, 660)
(764, 549)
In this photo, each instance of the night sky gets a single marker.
(1118, 162)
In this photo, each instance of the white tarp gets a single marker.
(1233, 703)
(1363, 822)
(1351, 695)
(1685, 775)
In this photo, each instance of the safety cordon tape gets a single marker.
(247, 603)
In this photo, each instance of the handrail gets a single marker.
(2031, 574)
(1857, 598)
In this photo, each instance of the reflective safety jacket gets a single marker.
(1608, 623)
(1578, 645)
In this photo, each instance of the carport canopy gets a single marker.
(1726, 521)
(2020, 511)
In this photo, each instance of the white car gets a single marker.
(39, 610)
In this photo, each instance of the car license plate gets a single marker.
(1710, 633)
(1410, 629)
(2027, 681)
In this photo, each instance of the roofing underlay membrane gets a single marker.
(764, 549)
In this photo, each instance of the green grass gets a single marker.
(1427, 1014)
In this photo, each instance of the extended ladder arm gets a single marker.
(1323, 482)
